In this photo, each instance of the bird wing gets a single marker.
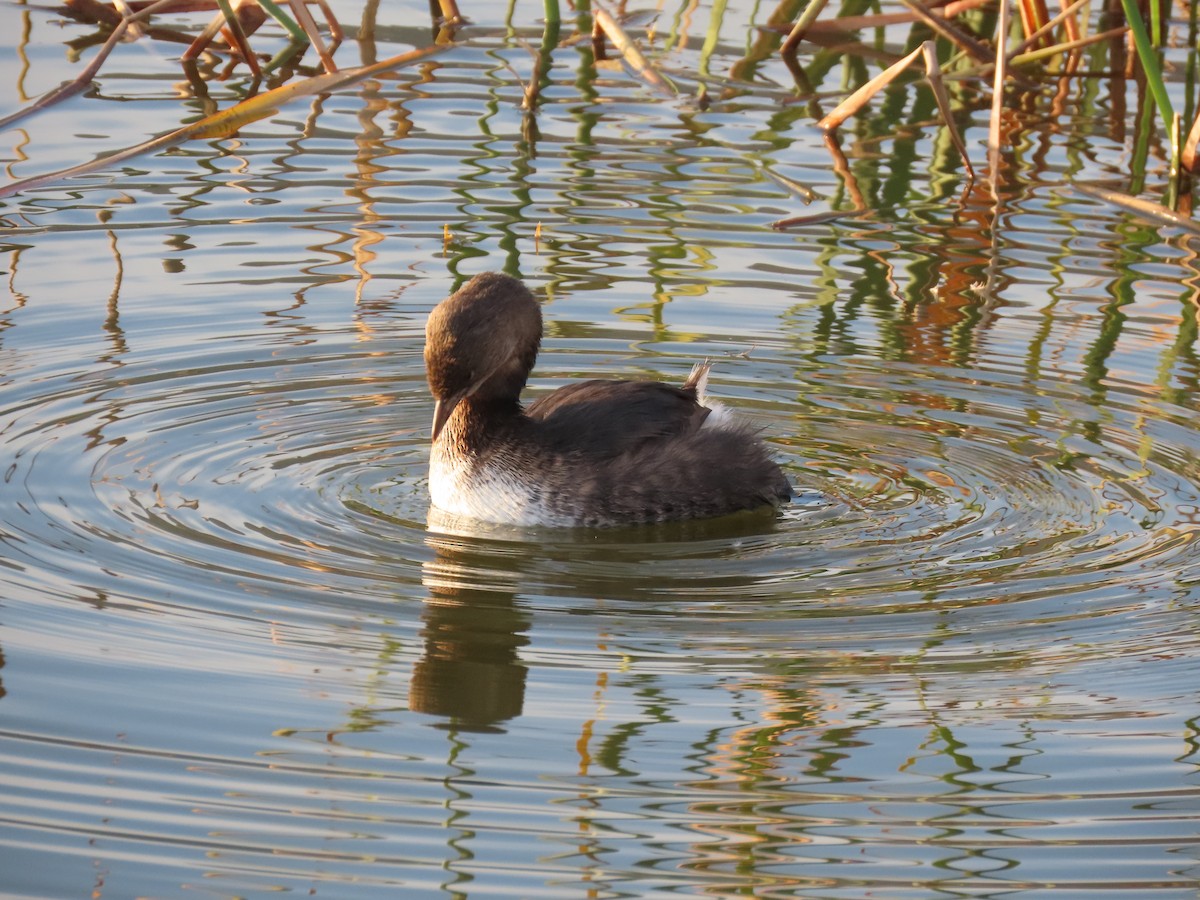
(608, 418)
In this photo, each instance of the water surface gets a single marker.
(240, 659)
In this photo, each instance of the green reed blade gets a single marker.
(1149, 59)
(283, 19)
(802, 25)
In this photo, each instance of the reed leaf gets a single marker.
(273, 10)
(1148, 57)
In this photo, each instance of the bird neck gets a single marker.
(477, 421)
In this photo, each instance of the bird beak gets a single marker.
(441, 414)
(443, 408)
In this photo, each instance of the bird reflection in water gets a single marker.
(470, 671)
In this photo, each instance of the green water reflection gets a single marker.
(239, 654)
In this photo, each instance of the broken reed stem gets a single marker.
(1153, 212)
(450, 13)
(1034, 16)
(238, 37)
(859, 98)
(82, 80)
(1071, 26)
(878, 20)
(841, 168)
(933, 73)
(1188, 156)
(831, 215)
(203, 39)
(227, 122)
(335, 27)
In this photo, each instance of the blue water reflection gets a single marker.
(239, 657)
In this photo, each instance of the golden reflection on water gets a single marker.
(237, 649)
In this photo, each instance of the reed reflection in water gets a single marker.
(240, 658)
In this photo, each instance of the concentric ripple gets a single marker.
(238, 657)
(919, 489)
(250, 516)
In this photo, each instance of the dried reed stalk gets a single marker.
(1034, 17)
(1067, 15)
(304, 17)
(1000, 74)
(803, 23)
